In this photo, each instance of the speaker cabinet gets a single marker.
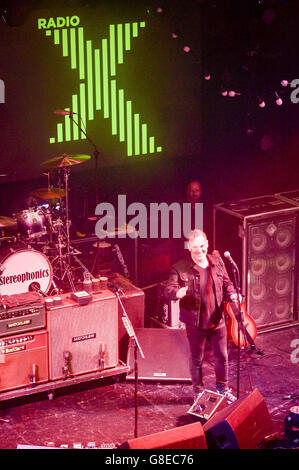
(166, 355)
(24, 360)
(261, 235)
(271, 266)
(242, 425)
(83, 338)
(190, 436)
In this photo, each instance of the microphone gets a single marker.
(112, 287)
(62, 112)
(228, 256)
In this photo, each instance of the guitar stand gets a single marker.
(249, 342)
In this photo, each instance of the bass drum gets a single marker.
(23, 270)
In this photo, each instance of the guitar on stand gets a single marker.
(240, 323)
(248, 328)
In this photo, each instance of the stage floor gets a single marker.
(104, 412)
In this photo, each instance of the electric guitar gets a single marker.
(248, 330)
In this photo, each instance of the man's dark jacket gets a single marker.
(184, 273)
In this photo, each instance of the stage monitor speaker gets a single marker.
(83, 338)
(24, 360)
(242, 425)
(166, 355)
(190, 436)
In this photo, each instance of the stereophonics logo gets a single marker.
(27, 276)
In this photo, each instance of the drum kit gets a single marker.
(35, 246)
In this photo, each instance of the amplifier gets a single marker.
(167, 312)
(82, 338)
(24, 360)
(20, 319)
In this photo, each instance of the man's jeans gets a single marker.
(197, 341)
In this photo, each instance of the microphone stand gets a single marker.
(236, 273)
(132, 335)
(96, 154)
(246, 335)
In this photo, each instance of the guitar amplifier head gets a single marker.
(20, 319)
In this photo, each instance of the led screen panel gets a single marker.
(78, 79)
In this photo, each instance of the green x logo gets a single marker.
(98, 89)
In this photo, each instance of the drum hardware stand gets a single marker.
(96, 154)
(64, 266)
(63, 234)
(67, 263)
(132, 335)
(65, 259)
(55, 289)
(77, 259)
(66, 181)
(66, 269)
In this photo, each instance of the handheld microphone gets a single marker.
(228, 256)
(62, 112)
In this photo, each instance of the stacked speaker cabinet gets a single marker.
(260, 234)
(82, 338)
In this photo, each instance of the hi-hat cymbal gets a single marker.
(7, 222)
(65, 160)
(47, 194)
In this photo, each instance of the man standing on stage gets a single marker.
(200, 282)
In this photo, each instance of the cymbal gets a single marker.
(7, 222)
(45, 193)
(65, 160)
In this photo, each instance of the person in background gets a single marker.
(201, 282)
(194, 192)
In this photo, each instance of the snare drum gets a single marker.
(32, 222)
(23, 269)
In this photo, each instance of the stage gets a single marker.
(124, 126)
(102, 413)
